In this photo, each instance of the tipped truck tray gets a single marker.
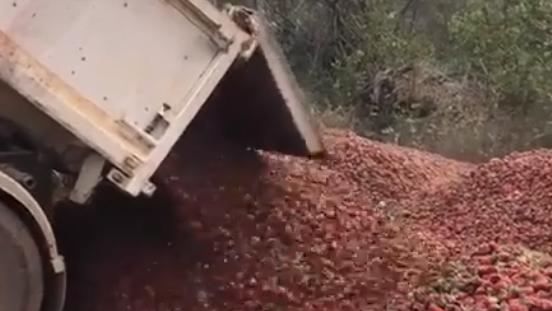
(125, 76)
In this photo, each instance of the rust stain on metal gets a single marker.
(14, 60)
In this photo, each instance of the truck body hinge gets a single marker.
(89, 177)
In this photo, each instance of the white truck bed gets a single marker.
(124, 76)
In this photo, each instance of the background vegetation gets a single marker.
(469, 79)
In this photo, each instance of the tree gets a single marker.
(508, 44)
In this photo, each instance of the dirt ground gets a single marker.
(370, 227)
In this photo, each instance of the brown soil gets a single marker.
(370, 227)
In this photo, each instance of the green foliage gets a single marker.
(380, 42)
(497, 97)
(507, 44)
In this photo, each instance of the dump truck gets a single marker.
(100, 91)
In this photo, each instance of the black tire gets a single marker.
(21, 273)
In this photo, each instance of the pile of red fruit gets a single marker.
(505, 201)
(359, 230)
(494, 278)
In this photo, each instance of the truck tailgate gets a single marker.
(125, 76)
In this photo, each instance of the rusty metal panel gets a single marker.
(132, 59)
(124, 76)
(127, 77)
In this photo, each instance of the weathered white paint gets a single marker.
(127, 77)
(107, 69)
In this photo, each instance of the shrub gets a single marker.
(507, 44)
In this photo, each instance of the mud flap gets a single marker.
(261, 102)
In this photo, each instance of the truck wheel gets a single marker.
(21, 275)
